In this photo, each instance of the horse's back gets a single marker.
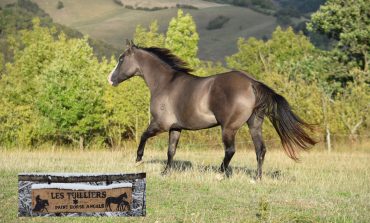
(201, 102)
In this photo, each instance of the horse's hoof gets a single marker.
(220, 176)
(165, 172)
(139, 163)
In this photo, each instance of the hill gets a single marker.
(15, 16)
(108, 21)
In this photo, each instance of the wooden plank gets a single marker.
(61, 200)
(72, 178)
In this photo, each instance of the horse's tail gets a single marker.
(290, 128)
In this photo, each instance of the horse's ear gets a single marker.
(128, 43)
(132, 43)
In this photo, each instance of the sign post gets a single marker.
(81, 194)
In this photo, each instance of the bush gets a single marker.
(118, 2)
(184, 6)
(218, 22)
(60, 5)
(144, 8)
(288, 12)
(284, 20)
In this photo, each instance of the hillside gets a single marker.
(18, 16)
(105, 20)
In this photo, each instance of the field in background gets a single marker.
(107, 21)
(324, 187)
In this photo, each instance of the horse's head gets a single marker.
(124, 195)
(126, 67)
(46, 203)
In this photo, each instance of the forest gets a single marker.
(54, 90)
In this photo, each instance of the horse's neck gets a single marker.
(156, 73)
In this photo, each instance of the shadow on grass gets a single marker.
(177, 165)
(274, 174)
(184, 165)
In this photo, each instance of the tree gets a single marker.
(353, 104)
(71, 97)
(182, 38)
(60, 5)
(347, 22)
(149, 38)
(283, 50)
(20, 86)
(53, 90)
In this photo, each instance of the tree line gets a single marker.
(54, 90)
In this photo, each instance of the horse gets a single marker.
(180, 101)
(115, 200)
(40, 204)
(124, 205)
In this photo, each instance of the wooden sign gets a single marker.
(72, 198)
(81, 194)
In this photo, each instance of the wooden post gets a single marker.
(326, 121)
(81, 142)
(328, 140)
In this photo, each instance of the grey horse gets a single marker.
(182, 101)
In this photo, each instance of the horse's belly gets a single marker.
(201, 121)
(197, 116)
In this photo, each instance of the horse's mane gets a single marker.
(169, 58)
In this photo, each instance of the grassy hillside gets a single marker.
(18, 16)
(107, 21)
(322, 188)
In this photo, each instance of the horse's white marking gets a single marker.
(139, 163)
(110, 75)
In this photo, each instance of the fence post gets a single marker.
(326, 121)
(328, 140)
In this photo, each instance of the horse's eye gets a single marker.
(121, 59)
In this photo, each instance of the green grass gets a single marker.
(105, 20)
(324, 187)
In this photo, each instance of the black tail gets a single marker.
(288, 125)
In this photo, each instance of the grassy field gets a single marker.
(107, 21)
(324, 187)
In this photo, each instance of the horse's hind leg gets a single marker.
(172, 145)
(228, 139)
(255, 128)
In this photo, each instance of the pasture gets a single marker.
(107, 21)
(323, 187)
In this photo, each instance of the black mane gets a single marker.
(169, 58)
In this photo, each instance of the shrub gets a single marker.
(185, 6)
(218, 22)
(118, 2)
(60, 5)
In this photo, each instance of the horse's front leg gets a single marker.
(152, 130)
(174, 137)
